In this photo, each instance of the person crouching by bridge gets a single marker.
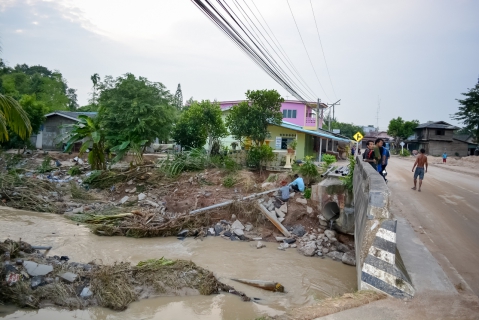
(298, 184)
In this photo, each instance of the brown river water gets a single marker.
(305, 279)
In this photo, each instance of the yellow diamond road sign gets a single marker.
(358, 136)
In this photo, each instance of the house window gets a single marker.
(440, 132)
(290, 114)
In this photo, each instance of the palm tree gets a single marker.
(14, 117)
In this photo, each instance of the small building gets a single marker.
(53, 132)
(469, 139)
(437, 137)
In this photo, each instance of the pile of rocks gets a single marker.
(275, 207)
(232, 231)
(324, 243)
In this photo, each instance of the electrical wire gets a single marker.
(278, 45)
(307, 53)
(321, 44)
(255, 54)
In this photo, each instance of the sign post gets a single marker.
(358, 137)
(402, 147)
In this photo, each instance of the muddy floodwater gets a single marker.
(305, 279)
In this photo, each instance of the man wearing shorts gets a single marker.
(421, 163)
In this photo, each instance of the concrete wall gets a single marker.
(375, 236)
(437, 148)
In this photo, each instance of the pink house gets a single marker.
(295, 112)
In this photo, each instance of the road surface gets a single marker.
(445, 216)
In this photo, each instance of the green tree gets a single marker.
(89, 131)
(469, 111)
(135, 110)
(95, 78)
(400, 129)
(346, 129)
(48, 86)
(251, 118)
(199, 124)
(178, 98)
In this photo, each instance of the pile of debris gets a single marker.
(30, 279)
(325, 243)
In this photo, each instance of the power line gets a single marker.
(306, 50)
(278, 45)
(321, 44)
(257, 56)
(258, 38)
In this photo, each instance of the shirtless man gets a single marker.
(421, 163)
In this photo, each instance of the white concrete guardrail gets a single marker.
(378, 263)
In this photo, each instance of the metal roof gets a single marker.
(437, 125)
(72, 115)
(321, 133)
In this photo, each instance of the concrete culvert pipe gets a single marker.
(331, 211)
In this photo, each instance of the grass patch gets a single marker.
(229, 181)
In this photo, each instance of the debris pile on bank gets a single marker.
(29, 279)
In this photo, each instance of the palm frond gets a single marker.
(15, 117)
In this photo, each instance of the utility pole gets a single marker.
(332, 105)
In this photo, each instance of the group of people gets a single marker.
(297, 185)
(377, 156)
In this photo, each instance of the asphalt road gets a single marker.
(445, 216)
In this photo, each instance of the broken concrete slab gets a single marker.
(294, 245)
(274, 220)
(280, 239)
(309, 210)
(284, 208)
(237, 225)
(211, 232)
(330, 234)
(248, 227)
(132, 190)
(141, 196)
(69, 277)
(35, 269)
(124, 199)
(279, 213)
(260, 245)
(280, 219)
(283, 246)
(301, 200)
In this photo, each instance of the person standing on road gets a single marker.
(421, 163)
(444, 157)
(379, 156)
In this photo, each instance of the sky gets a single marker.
(409, 58)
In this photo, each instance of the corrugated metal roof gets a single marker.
(437, 125)
(321, 133)
(72, 115)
